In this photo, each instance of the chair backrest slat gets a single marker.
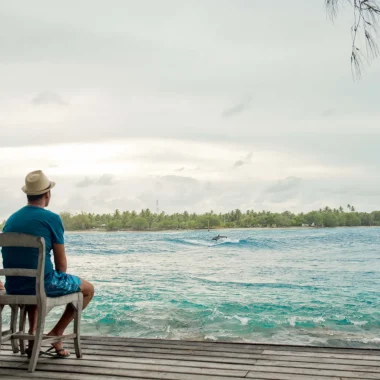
(19, 272)
(13, 239)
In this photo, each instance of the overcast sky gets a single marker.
(201, 104)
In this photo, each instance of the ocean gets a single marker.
(288, 286)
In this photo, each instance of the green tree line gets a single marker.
(146, 220)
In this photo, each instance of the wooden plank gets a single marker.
(184, 346)
(260, 359)
(152, 361)
(272, 355)
(131, 356)
(14, 239)
(149, 374)
(285, 376)
(119, 341)
(22, 374)
(310, 359)
(316, 372)
(18, 299)
(18, 272)
(286, 356)
(215, 365)
(348, 355)
(9, 365)
(127, 341)
(337, 367)
(356, 351)
(17, 374)
(63, 300)
(73, 364)
(112, 351)
(261, 346)
(163, 353)
(176, 347)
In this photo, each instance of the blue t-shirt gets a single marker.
(37, 221)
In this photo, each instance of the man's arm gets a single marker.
(60, 259)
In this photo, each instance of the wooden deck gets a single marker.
(116, 358)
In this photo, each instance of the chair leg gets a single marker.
(22, 327)
(38, 338)
(77, 318)
(14, 315)
(1, 324)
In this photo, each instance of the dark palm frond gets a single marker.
(332, 8)
(366, 25)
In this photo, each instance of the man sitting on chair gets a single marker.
(33, 219)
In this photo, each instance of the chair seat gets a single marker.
(14, 299)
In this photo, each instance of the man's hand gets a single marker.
(2, 289)
(60, 260)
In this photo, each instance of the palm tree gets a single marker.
(366, 17)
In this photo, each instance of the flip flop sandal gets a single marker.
(57, 354)
(29, 351)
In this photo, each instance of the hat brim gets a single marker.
(25, 190)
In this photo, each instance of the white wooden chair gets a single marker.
(44, 303)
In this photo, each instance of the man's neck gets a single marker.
(36, 204)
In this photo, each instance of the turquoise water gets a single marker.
(295, 286)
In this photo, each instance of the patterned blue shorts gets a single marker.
(59, 284)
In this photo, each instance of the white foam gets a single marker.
(197, 242)
(373, 340)
(244, 321)
(215, 313)
(359, 323)
(293, 320)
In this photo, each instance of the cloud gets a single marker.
(179, 180)
(238, 163)
(286, 184)
(329, 112)
(48, 98)
(238, 108)
(104, 180)
(245, 160)
(14, 201)
(86, 182)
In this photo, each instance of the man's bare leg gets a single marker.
(88, 293)
(87, 290)
(32, 317)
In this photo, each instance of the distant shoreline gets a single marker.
(103, 230)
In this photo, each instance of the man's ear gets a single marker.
(48, 194)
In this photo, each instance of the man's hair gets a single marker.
(33, 198)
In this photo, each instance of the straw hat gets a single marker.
(36, 183)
